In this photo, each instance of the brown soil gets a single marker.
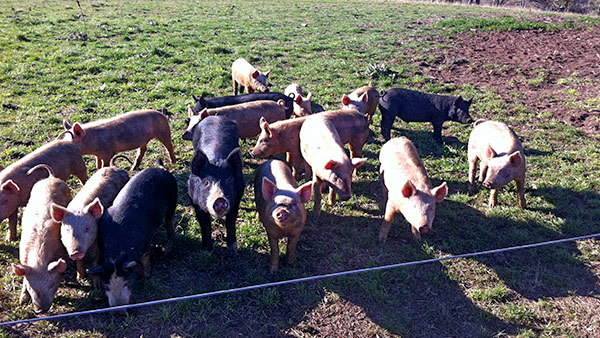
(524, 67)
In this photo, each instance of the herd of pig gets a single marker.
(108, 225)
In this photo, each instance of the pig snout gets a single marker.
(77, 255)
(220, 206)
(39, 310)
(423, 229)
(282, 215)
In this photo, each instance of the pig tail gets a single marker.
(63, 134)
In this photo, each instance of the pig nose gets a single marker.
(424, 229)
(220, 205)
(487, 184)
(39, 310)
(77, 255)
(282, 215)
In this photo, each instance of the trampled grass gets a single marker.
(56, 64)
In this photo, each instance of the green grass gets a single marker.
(122, 56)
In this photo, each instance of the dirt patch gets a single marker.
(550, 72)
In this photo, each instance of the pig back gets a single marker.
(400, 162)
(246, 115)
(216, 137)
(349, 124)
(229, 100)
(499, 136)
(104, 184)
(319, 141)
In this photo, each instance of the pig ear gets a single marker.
(256, 74)
(469, 101)
(331, 164)
(345, 100)
(490, 153)
(235, 159)
(266, 74)
(363, 98)
(198, 162)
(195, 98)
(58, 212)
(264, 125)
(190, 112)
(10, 187)
(305, 191)
(440, 192)
(95, 208)
(66, 124)
(515, 159)
(268, 188)
(58, 266)
(298, 99)
(358, 161)
(204, 113)
(78, 132)
(20, 269)
(309, 97)
(408, 189)
(458, 100)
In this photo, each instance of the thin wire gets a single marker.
(293, 281)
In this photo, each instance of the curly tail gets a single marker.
(43, 165)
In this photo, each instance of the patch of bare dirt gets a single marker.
(551, 72)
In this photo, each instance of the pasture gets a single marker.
(538, 72)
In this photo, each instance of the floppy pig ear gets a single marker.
(268, 188)
(235, 158)
(95, 208)
(515, 159)
(305, 191)
(58, 266)
(20, 269)
(58, 212)
(198, 162)
(345, 100)
(440, 192)
(490, 153)
(357, 162)
(408, 189)
(10, 187)
(331, 164)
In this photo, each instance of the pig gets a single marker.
(246, 115)
(302, 105)
(15, 185)
(245, 75)
(128, 131)
(406, 188)
(280, 204)
(502, 160)
(322, 149)
(216, 183)
(364, 99)
(79, 220)
(40, 251)
(126, 229)
(283, 136)
(217, 102)
(413, 106)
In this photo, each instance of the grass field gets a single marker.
(59, 62)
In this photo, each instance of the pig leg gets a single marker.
(472, 170)
(235, 86)
(145, 260)
(12, 227)
(387, 120)
(98, 162)
(296, 161)
(416, 234)
(203, 218)
(274, 244)
(166, 140)
(250, 89)
(521, 192)
(332, 196)
(356, 150)
(80, 270)
(317, 195)
(138, 159)
(493, 198)
(230, 225)
(437, 131)
(290, 252)
(25, 296)
(80, 170)
(388, 220)
(482, 171)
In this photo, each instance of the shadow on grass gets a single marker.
(10, 250)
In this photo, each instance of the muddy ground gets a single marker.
(554, 73)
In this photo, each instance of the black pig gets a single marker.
(216, 102)
(413, 106)
(216, 184)
(126, 228)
